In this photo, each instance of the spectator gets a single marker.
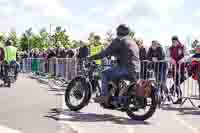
(156, 55)
(51, 61)
(142, 56)
(142, 50)
(70, 53)
(177, 53)
(2, 56)
(83, 50)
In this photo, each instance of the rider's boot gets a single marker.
(102, 99)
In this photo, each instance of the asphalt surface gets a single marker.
(26, 105)
(32, 107)
(167, 119)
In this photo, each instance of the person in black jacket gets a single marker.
(143, 57)
(126, 51)
(156, 55)
(70, 53)
(83, 51)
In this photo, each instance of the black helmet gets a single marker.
(175, 38)
(97, 37)
(123, 30)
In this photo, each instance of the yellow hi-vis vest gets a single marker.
(10, 53)
(95, 50)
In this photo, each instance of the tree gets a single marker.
(60, 36)
(25, 40)
(43, 38)
(14, 39)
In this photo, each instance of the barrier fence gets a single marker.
(181, 79)
(63, 67)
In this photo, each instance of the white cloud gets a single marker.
(120, 7)
(150, 19)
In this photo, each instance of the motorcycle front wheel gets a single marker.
(77, 91)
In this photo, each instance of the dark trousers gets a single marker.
(179, 78)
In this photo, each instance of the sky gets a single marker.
(150, 19)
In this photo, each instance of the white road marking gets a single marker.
(4, 129)
(185, 124)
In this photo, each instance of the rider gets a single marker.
(11, 55)
(127, 54)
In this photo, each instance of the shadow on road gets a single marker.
(66, 115)
(59, 94)
(194, 112)
(58, 90)
(171, 108)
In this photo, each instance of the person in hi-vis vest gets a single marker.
(96, 48)
(11, 56)
(10, 52)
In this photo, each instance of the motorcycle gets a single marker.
(10, 73)
(124, 96)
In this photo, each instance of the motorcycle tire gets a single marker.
(148, 114)
(86, 98)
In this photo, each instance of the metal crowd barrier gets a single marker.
(62, 67)
(179, 76)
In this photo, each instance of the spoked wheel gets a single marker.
(77, 94)
(140, 108)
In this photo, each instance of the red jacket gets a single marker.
(2, 54)
(177, 53)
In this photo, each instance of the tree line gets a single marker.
(44, 40)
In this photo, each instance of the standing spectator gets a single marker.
(177, 53)
(157, 55)
(51, 61)
(83, 51)
(61, 59)
(2, 56)
(142, 56)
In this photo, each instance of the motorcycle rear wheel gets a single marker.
(131, 113)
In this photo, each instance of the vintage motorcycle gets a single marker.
(138, 100)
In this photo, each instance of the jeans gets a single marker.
(161, 72)
(111, 74)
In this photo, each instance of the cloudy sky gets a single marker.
(150, 19)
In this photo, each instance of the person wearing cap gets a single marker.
(177, 54)
(96, 48)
